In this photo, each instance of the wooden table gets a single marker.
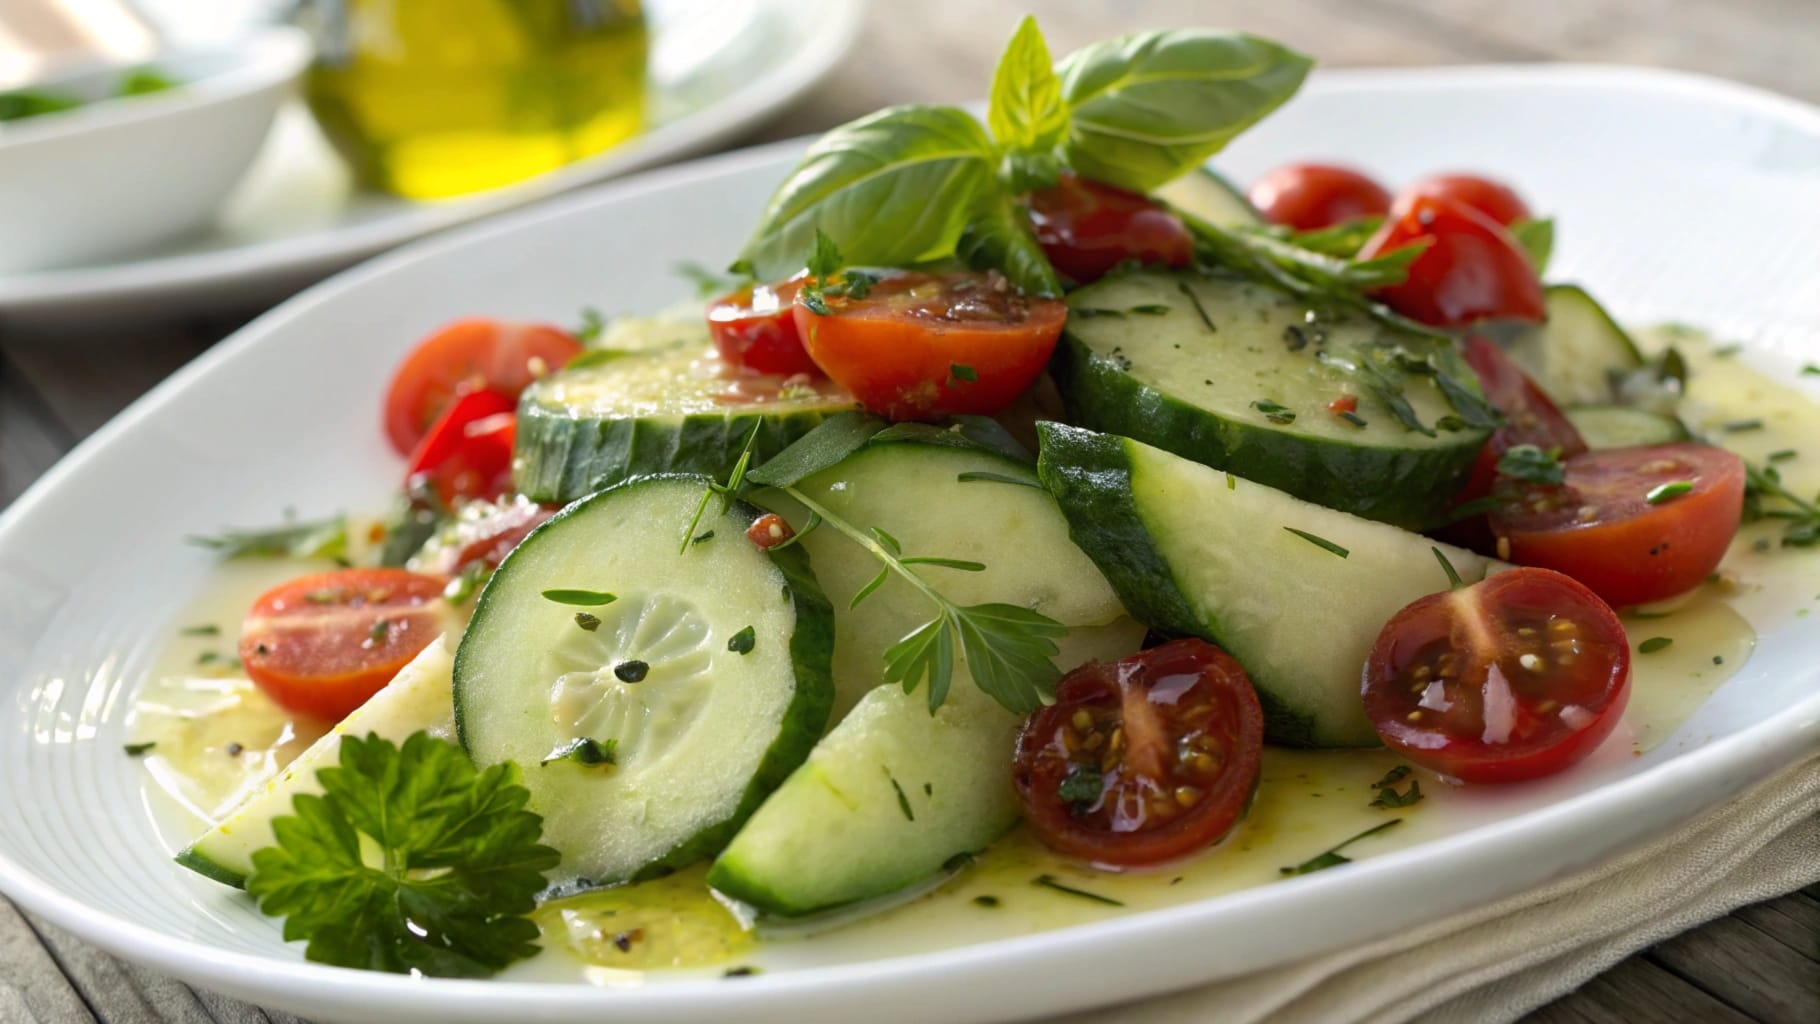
(1759, 964)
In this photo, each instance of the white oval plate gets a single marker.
(718, 67)
(1678, 197)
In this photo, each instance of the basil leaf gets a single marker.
(1000, 237)
(1027, 110)
(1537, 237)
(830, 442)
(1146, 108)
(893, 188)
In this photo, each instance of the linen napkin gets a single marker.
(1499, 962)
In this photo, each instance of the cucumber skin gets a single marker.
(1092, 483)
(811, 654)
(1411, 489)
(559, 458)
(209, 869)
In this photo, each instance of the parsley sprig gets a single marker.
(1766, 497)
(305, 538)
(411, 861)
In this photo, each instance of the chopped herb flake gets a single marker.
(586, 750)
(1389, 798)
(708, 535)
(742, 641)
(1530, 463)
(1668, 491)
(204, 630)
(903, 802)
(739, 972)
(1273, 411)
(587, 621)
(985, 901)
(382, 628)
(962, 372)
(1049, 882)
(1332, 857)
(1082, 785)
(631, 671)
(1782, 455)
(1151, 309)
(1319, 542)
(584, 598)
(1352, 417)
(1090, 312)
(139, 749)
(1654, 644)
(1195, 300)
(1740, 426)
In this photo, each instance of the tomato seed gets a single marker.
(1545, 707)
(1564, 626)
(1187, 796)
(1415, 716)
(1093, 741)
(1531, 662)
(1422, 672)
(1118, 739)
(1082, 720)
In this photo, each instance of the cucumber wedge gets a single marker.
(675, 409)
(1206, 194)
(416, 699)
(1577, 354)
(1237, 376)
(702, 683)
(1621, 426)
(1194, 550)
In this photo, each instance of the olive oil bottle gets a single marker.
(435, 98)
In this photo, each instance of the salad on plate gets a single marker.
(1028, 524)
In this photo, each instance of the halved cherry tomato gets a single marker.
(1145, 760)
(1496, 200)
(922, 345)
(468, 453)
(1513, 678)
(1086, 228)
(322, 644)
(469, 355)
(1308, 197)
(754, 329)
(1472, 269)
(485, 533)
(1634, 524)
(1530, 417)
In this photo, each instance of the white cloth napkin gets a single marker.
(1499, 962)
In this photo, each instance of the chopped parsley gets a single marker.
(1333, 858)
(631, 671)
(1320, 542)
(1082, 785)
(1049, 882)
(140, 749)
(962, 372)
(1530, 463)
(585, 751)
(583, 598)
(1654, 644)
(1388, 797)
(743, 641)
(1273, 411)
(1668, 492)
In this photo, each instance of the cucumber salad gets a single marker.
(1023, 493)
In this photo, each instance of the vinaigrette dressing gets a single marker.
(217, 738)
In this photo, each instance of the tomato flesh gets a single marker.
(753, 328)
(1513, 678)
(1601, 528)
(1496, 200)
(468, 452)
(1530, 416)
(469, 355)
(922, 345)
(322, 644)
(1086, 228)
(1145, 760)
(1308, 197)
(1471, 270)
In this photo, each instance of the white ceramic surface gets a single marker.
(116, 176)
(717, 68)
(1678, 197)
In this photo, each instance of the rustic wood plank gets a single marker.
(119, 993)
(1636, 990)
(33, 988)
(1793, 920)
(1748, 969)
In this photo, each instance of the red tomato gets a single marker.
(1145, 760)
(1600, 527)
(485, 533)
(922, 345)
(1530, 417)
(1472, 269)
(1493, 199)
(468, 453)
(322, 644)
(1513, 678)
(1086, 228)
(1308, 197)
(753, 329)
(469, 355)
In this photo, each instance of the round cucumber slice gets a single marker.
(679, 409)
(1206, 194)
(648, 726)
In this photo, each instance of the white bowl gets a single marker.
(113, 176)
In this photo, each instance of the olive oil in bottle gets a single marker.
(435, 98)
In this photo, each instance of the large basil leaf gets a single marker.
(1027, 110)
(893, 188)
(1000, 237)
(1145, 108)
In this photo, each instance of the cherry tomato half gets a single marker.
(1496, 200)
(1471, 270)
(1086, 228)
(1145, 760)
(1530, 417)
(1633, 524)
(1308, 197)
(922, 345)
(753, 329)
(469, 355)
(484, 533)
(1513, 678)
(468, 452)
(322, 644)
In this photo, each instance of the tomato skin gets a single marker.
(1308, 197)
(314, 646)
(469, 355)
(468, 452)
(1471, 270)
(1186, 736)
(1426, 682)
(898, 348)
(1086, 228)
(1599, 527)
(1496, 200)
(1530, 416)
(753, 328)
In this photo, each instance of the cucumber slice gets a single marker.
(1252, 393)
(891, 796)
(1204, 193)
(417, 699)
(1621, 426)
(672, 410)
(1193, 550)
(1580, 350)
(701, 723)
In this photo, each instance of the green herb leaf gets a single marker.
(139, 749)
(589, 331)
(903, 801)
(1765, 497)
(743, 641)
(926, 655)
(961, 371)
(1388, 797)
(1343, 240)
(1146, 108)
(962, 564)
(315, 538)
(1195, 301)
(1082, 786)
(1026, 110)
(871, 587)
(1049, 882)
(454, 869)
(827, 445)
(1008, 650)
(1274, 412)
(586, 751)
(23, 103)
(1741, 426)
(1528, 462)
(1319, 542)
(144, 81)
(1668, 491)
(206, 629)
(1654, 644)
(1453, 575)
(974, 433)
(1332, 857)
(583, 598)
(1537, 237)
(999, 237)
